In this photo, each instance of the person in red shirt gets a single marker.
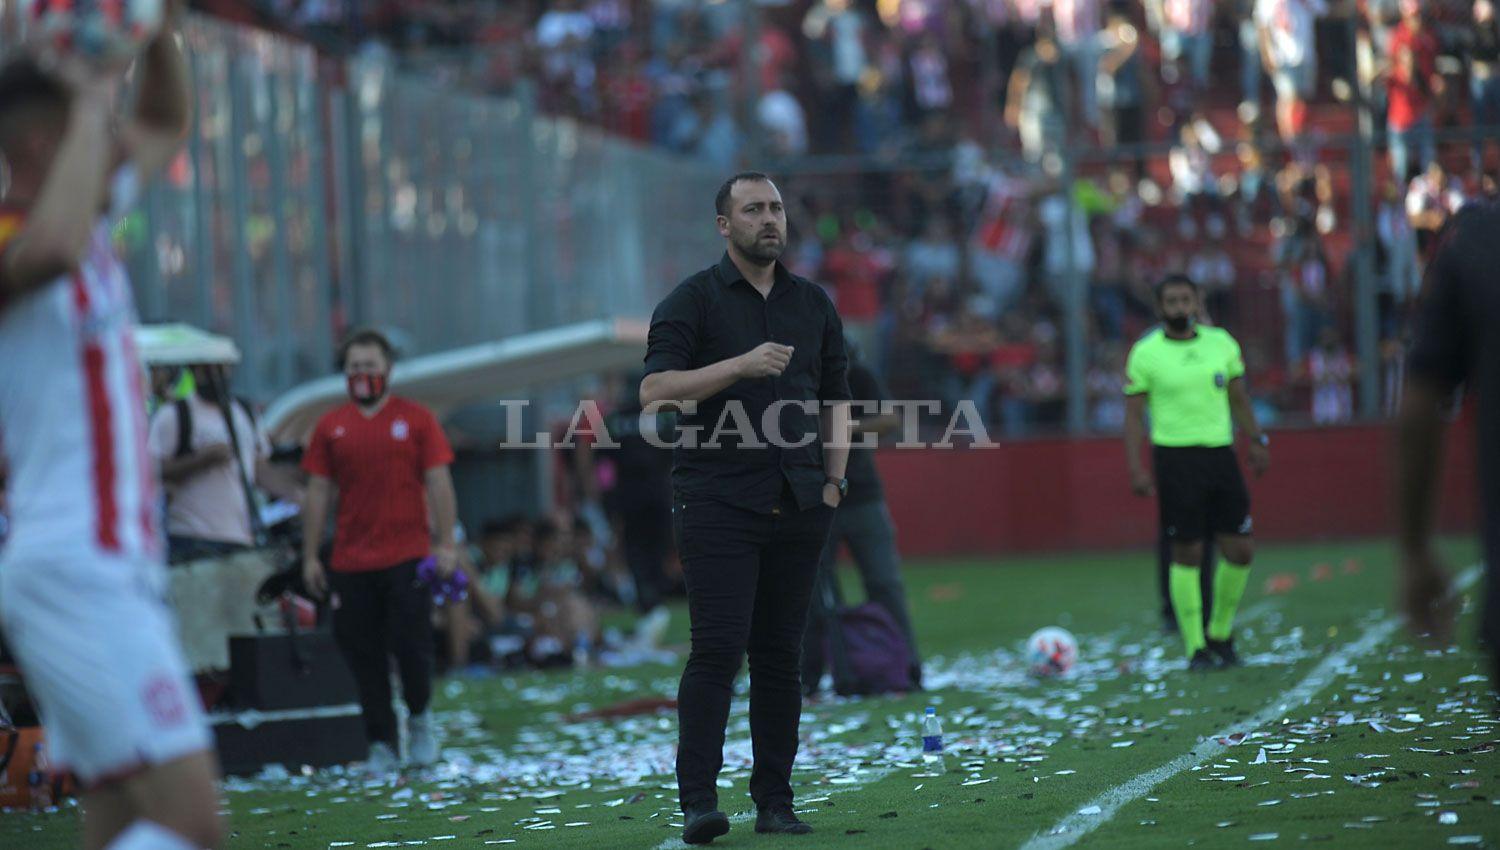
(387, 460)
(1411, 85)
(854, 267)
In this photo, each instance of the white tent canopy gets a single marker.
(184, 345)
(453, 379)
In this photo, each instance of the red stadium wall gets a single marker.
(1057, 494)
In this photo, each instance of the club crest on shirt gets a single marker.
(1219, 380)
(400, 430)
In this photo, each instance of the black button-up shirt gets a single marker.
(716, 314)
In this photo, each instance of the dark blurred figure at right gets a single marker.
(1456, 343)
(863, 523)
(642, 499)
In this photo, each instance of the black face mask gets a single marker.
(1179, 324)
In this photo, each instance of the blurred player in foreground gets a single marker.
(1456, 343)
(1192, 377)
(82, 578)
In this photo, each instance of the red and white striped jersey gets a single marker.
(73, 409)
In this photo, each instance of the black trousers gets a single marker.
(647, 534)
(749, 580)
(379, 614)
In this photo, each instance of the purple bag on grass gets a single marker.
(876, 657)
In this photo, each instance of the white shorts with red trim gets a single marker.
(98, 648)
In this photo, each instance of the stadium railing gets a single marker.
(317, 193)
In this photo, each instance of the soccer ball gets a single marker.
(1051, 651)
(106, 30)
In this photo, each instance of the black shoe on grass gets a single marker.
(703, 825)
(780, 819)
(1202, 661)
(1223, 652)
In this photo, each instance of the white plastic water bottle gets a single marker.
(932, 742)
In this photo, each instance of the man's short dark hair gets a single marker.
(366, 336)
(28, 94)
(1174, 279)
(721, 200)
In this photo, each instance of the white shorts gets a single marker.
(99, 653)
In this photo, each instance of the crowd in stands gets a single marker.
(1210, 136)
(539, 593)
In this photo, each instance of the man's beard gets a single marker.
(761, 252)
(1179, 324)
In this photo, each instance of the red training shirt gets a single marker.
(1408, 95)
(378, 464)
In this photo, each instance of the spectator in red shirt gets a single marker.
(854, 268)
(1411, 84)
(627, 96)
(387, 459)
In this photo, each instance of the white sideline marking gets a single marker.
(1251, 614)
(1075, 826)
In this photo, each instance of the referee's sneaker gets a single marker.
(1191, 378)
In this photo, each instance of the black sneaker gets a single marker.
(1201, 661)
(703, 825)
(1223, 651)
(780, 819)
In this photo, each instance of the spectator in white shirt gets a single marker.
(1330, 370)
(1288, 50)
(1194, 185)
(1430, 199)
(1187, 38)
(1403, 275)
(784, 122)
(837, 28)
(1078, 23)
(563, 34)
(208, 512)
(929, 76)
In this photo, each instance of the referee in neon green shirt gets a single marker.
(1191, 378)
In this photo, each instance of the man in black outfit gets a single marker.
(750, 351)
(1456, 343)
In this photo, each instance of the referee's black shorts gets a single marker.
(1200, 492)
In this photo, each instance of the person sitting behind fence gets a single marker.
(604, 576)
(481, 630)
(550, 589)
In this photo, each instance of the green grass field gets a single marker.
(1390, 744)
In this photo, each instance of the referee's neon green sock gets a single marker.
(1187, 604)
(1229, 586)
